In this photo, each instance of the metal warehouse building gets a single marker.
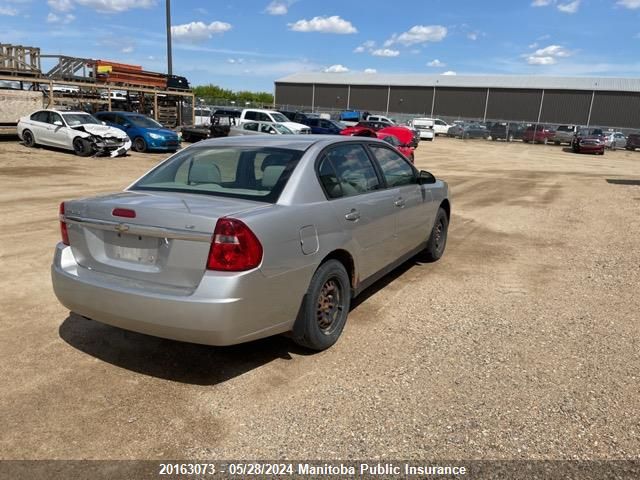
(611, 102)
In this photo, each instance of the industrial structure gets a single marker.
(612, 102)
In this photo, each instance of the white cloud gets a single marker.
(548, 55)
(368, 45)
(418, 34)
(116, 6)
(571, 7)
(370, 70)
(533, 45)
(385, 52)
(195, 32)
(436, 63)
(63, 19)
(631, 4)
(333, 24)
(449, 72)
(278, 7)
(472, 36)
(60, 5)
(127, 49)
(9, 11)
(235, 60)
(540, 3)
(336, 69)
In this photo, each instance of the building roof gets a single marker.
(476, 81)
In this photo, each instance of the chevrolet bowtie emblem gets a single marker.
(121, 227)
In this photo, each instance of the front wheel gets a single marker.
(325, 307)
(139, 145)
(82, 147)
(438, 238)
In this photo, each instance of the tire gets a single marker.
(438, 237)
(493, 139)
(139, 145)
(28, 139)
(329, 295)
(556, 143)
(525, 141)
(82, 147)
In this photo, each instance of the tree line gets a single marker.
(213, 92)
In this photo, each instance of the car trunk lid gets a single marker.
(160, 237)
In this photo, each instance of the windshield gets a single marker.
(75, 119)
(143, 122)
(252, 173)
(278, 117)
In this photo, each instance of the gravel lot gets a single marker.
(521, 343)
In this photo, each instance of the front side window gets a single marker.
(353, 171)
(55, 117)
(395, 168)
(251, 115)
(253, 126)
(252, 173)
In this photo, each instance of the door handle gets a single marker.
(400, 202)
(353, 215)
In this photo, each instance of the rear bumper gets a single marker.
(225, 308)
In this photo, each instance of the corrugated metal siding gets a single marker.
(331, 96)
(562, 106)
(507, 104)
(616, 109)
(460, 102)
(411, 100)
(293, 94)
(368, 98)
(471, 81)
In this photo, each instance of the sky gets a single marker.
(248, 44)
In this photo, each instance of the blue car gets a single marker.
(323, 126)
(145, 133)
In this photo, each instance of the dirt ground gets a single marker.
(523, 342)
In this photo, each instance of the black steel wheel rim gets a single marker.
(330, 306)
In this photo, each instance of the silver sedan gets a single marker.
(235, 239)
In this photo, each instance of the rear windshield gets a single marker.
(251, 173)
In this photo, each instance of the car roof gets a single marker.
(292, 142)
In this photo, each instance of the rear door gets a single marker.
(414, 209)
(362, 206)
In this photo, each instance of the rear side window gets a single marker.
(396, 169)
(40, 117)
(346, 171)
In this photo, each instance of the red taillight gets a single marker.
(123, 212)
(63, 226)
(234, 248)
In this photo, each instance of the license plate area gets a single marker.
(136, 249)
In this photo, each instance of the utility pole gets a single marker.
(169, 60)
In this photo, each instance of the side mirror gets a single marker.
(425, 178)
(57, 123)
(104, 123)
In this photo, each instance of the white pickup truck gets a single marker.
(258, 115)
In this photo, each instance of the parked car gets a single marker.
(381, 118)
(468, 130)
(564, 134)
(361, 129)
(257, 115)
(588, 140)
(322, 126)
(633, 141)
(80, 132)
(538, 134)
(260, 128)
(404, 134)
(425, 128)
(615, 140)
(239, 238)
(221, 123)
(351, 117)
(145, 133)
(507, 131)
(403, 148)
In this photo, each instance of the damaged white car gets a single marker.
(77, 131)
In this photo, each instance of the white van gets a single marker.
(258, 115)
(424, 126)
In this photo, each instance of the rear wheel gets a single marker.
(82, 147)
(325, 307)
(28, 139)
(438, 238)
(139, 145)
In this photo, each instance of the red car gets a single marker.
(538, 134)
(588, 140)
(359, 131)
(404, 148)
